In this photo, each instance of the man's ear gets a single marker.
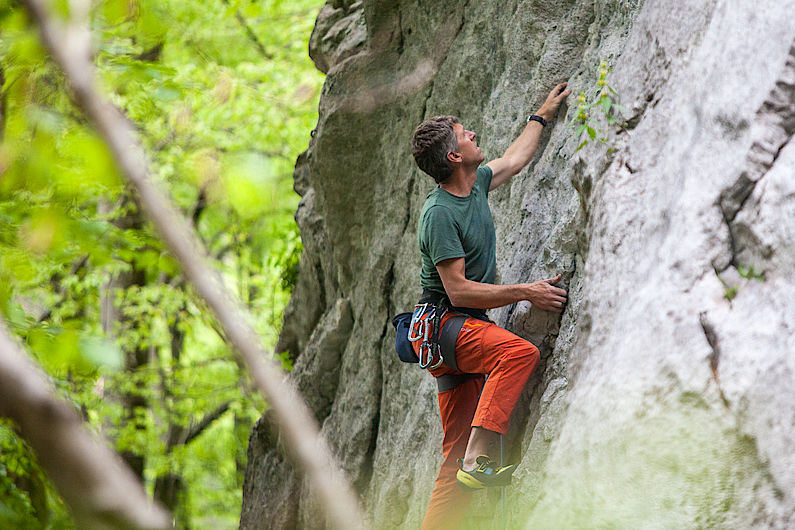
(454, 156)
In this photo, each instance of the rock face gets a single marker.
(666, 394)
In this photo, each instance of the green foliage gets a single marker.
(747, 272)
(224, 96)
(602, 109)
(750, 274)
(287, 258)
(25, 500)
(729, 292)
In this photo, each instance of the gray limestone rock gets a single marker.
(666, 394)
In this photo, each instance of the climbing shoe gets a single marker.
(486, 475)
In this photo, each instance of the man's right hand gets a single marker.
(553, 101)
(544, 295)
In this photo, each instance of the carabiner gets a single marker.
(417, 323)
(441, 359)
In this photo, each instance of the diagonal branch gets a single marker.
(100, 490)
(196, 430)
(250, 34)
(188, 434)
(70, 49)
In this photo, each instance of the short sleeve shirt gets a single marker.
(458, 227)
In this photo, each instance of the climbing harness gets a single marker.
(438, 341)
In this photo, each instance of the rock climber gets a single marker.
(458, 244)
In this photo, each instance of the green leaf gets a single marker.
(730, 293)
(248, 180)
(750, 274)
(583, 144)
(167, 94)
(252, 10)
(591, 132)
(100, 351)
(114, 11)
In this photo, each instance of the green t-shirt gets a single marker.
(458, 227)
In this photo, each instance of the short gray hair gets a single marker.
(432, 140)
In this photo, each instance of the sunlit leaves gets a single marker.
(20, 474)
(66, 352)
(223, 96)
(248, 179)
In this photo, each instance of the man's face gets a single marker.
(467, 146)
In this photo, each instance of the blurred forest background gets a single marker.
(224, 95)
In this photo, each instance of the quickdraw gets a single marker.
(427, 317)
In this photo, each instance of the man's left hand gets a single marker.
(554, 99)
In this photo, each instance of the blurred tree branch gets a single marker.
(101, 491)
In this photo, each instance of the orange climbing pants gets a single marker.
(508, 361)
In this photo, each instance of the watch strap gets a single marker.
(539, 119)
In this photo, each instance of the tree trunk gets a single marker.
(136, 358)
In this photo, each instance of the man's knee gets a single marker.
(522, 349)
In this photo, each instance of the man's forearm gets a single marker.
(485, 295)
(522, 150)
(467, 293)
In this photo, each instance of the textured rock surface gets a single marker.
(666, 398)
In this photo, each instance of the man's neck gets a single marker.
(461, 181)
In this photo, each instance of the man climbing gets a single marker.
(458, 244)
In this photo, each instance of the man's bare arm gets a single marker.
(522, 150)
(466, 293)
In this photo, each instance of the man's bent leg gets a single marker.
(449, 503)
(508, 360)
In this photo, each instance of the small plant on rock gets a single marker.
(729, 291)
(750, 274)
(604, 106)
(731, 288)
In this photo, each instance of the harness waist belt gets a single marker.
(434, 297)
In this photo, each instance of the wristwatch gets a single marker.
(539, 119)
